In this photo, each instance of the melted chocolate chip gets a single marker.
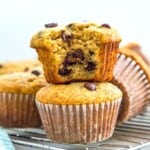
(69, 60)
(105, 26)
(91, 52)
(91, 66)
(36, 72)
(66, 37)
(1, 66)
(51, 25)
(64, 71)
(74, 57)
(78, 54)
(90, 86)
(26, 69)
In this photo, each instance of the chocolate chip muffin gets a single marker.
(131, 74)
(18, 66)
(17, 99)
(77, 52)
(79, 112)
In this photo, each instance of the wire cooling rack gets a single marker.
(132, 135)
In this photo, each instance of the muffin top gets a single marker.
(137, 48)
(78, 93)
(18, 66)
(137, 58)
(21, 83)
(84, 31)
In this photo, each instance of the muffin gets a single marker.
(79, 112)
(137, 48)
(18, 66)
(131, 74)
(17, 99)
(77, 52)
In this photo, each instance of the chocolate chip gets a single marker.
(90, 86)
(91, 52)
(74, 57)
(64, 71)
(91, 66)
(66, 37)
(36, 72)
(26, 69)
(51, 25)
(69, 60)
(1, 66)
(105, 26)
(78, 54)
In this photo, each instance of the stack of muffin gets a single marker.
(78, 105)
(76, 102)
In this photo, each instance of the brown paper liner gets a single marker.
(79, 123)
(132, 80)
(18, 110)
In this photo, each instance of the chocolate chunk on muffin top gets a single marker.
(78, 93)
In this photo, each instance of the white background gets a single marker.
(19, 19)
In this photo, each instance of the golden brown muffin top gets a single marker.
(136, 57)
(48, 38)
(18, 66)
(78, 93)
(137, 48)
(21, 83)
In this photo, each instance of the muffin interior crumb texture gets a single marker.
(76, 47)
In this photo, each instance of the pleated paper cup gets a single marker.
(108, 59)
(134, 83)
(18, 110)
(84, 123)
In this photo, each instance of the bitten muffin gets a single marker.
(131, 74)
(17, 99)
(77, 52)
(80, 112)
(18, 66)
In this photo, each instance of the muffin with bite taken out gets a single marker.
(77, 52)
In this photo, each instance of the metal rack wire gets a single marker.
(132, 135)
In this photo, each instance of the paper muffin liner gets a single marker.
(108, 57)
(136, 87)
(18, 110)
(84, 123)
